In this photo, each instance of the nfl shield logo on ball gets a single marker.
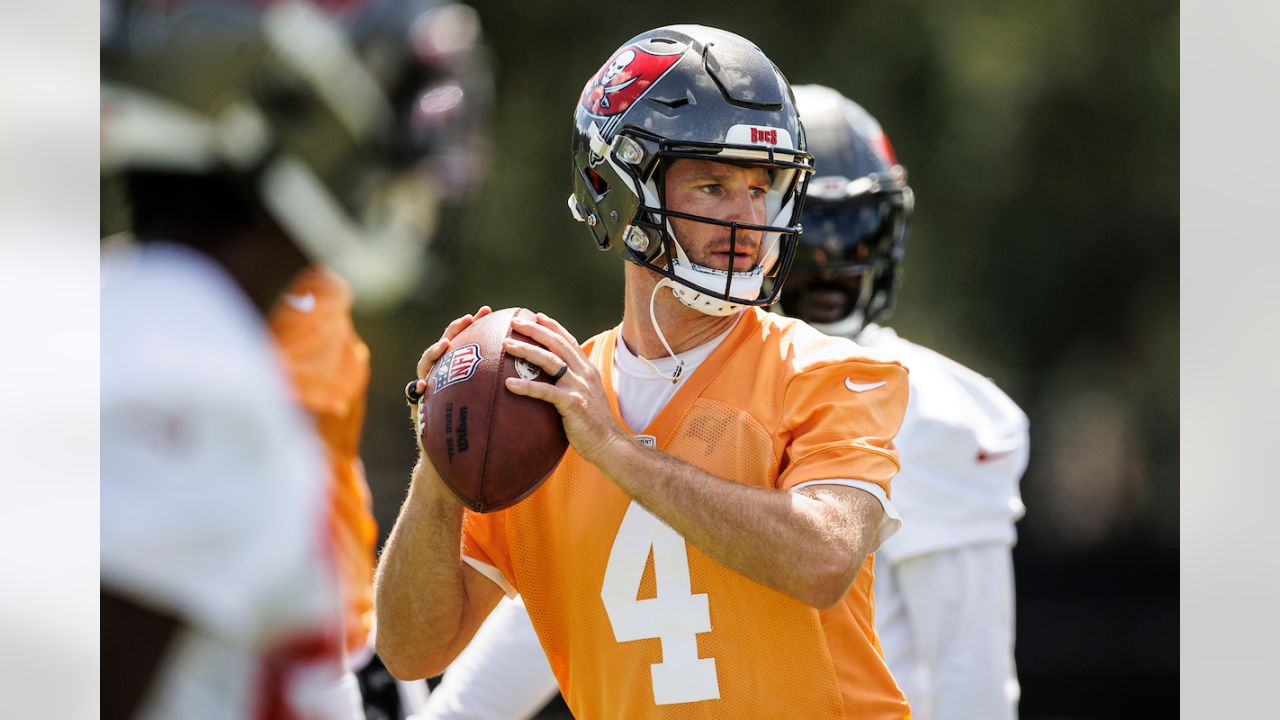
(457, 365)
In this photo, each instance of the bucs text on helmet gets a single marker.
(688, 91)
(856, 218)
(345, 122)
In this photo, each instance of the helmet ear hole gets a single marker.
(597, 183)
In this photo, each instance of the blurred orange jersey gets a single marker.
(328, 365)
(638, 624)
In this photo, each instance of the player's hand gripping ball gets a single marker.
(491, 447)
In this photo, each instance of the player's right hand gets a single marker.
(429, 358)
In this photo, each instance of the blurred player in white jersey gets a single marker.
(944, 583)
(253, 139)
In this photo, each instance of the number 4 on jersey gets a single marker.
(675, 616)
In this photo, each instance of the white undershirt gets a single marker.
(641, 392)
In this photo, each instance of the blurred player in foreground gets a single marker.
(703, 548)
(429, 51)
(944, 583)
(253, 139)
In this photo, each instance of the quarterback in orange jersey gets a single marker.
(704, 548)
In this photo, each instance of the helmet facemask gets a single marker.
(851, 254)
(638, 162)
(700, 93)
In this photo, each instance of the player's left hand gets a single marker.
(578, 395)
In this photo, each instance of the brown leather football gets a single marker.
(492, 447)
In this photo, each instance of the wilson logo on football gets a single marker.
(457, 365)
(624, 79)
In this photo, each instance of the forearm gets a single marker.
(419, 592)
(792, 542)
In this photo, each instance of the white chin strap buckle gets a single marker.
(704, 304)
(742, 284)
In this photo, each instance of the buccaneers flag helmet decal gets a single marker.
(625, 78)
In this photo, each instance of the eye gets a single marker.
(710, 188)
(759, 191)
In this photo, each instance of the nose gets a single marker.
(747, 209)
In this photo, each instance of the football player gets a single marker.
(703, 549)
(944, 583)
(253, 139)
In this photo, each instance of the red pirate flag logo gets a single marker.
(624, 79)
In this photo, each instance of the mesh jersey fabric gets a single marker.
(769, 408)
(328, 366)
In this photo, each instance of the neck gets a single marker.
(684, 327)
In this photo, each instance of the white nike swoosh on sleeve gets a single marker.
(856, 387)
(302, 303)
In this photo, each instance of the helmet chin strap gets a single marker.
(693, 279)
(674, 377)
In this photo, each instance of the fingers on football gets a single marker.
(543, 358)
(439, 348)
(559, 329)
(457, 326)
(429, 358)
(571, 354)
(538, 390)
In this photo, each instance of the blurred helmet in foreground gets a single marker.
(347, 122)
(688, 91)
(856, 218)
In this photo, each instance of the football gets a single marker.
(492, 447)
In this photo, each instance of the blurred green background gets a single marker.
(1042, 144)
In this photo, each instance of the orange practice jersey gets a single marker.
(638, 624)
(328, 365)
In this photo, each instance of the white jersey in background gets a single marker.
(968, 447)
(212, 494)
(944, 583)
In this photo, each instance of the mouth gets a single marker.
(738, 261)
(742, 259)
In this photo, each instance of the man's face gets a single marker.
(732, 193)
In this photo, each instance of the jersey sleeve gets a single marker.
(327, 362)
(328, 368)
(484, 548)
(841, 419)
